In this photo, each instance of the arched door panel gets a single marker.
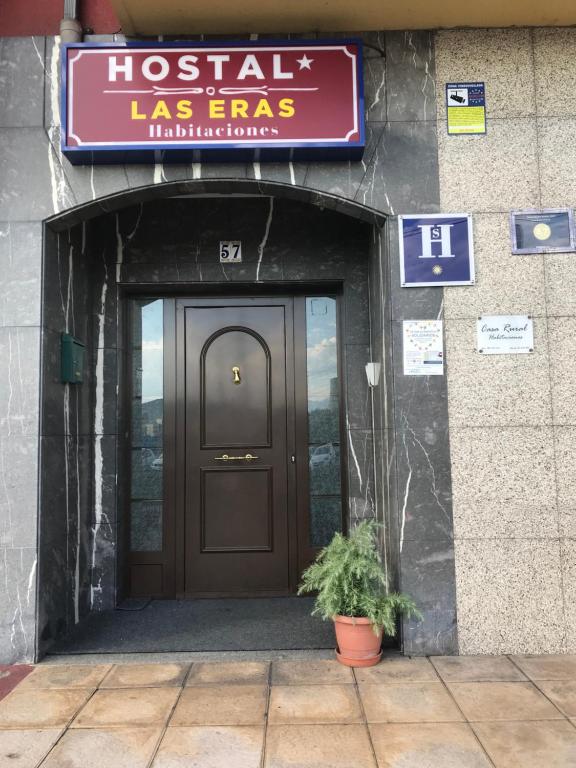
(236, 412)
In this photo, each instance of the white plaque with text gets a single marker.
(423, 348)
(505, 334)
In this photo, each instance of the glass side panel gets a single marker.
(146, 526)
(323, 420)
(325, 519)
(324, 464)
(146, 473)
(147, 409)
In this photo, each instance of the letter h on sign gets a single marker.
(436, 234)
(436, 249)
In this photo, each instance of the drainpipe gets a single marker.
(70, 27)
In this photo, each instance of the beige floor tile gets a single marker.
(105, 748)
(145, 675)
(408, 703)
(25, 749)
(318, 746)
(69, 676)
(562, 693)
(550, 744)
(399, 670)
(41, 709)
(214, 746)
(229, 673)
(547, 667)
(221, 705)
(321, 672)
(314, 704)
(502, 701)
(127, 707)
(470, 669)
(438, 745)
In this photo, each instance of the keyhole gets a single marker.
(236, 372)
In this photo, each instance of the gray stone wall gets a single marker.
(398, 174)
(78, 434)
(513, 417)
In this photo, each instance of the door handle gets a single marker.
(225, 457)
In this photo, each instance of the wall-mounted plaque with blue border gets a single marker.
(547, 231)
(436, 249)
(269, 100)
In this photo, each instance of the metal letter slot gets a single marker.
(236, 372)
(225, 457)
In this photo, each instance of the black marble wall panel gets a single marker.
(422, 505)
(20, 248)
(78, 427)
(19, 351)
(20, 273)
(399, 88)
(410, 76)
(22, 78)
(18, 575)
(383, 403)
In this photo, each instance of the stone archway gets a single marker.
(84, 265)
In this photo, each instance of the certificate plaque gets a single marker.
(547, 231)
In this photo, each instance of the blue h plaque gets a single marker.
(436, 249)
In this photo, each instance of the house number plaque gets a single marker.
(230, 252)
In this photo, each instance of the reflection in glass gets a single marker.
(146, 526)
(325, 519)
(324, 469)
(146, 473)
(323, 420)
(147, 409)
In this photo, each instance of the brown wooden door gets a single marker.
(235, 359)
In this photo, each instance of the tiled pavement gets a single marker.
(444, 712)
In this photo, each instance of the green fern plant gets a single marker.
(350, 581)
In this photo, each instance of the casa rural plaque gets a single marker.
(178, 102)
(504, 334)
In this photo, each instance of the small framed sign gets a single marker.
(548, 231)
(436, 249)
(230, 251)
(505, 334)
(465, 108)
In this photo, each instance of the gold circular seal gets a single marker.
(542, 231)
(437, 270)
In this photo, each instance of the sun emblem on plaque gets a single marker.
(542, 231)
(437, 270)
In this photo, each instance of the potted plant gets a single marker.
(352, 589)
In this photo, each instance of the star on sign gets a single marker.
(305, 62)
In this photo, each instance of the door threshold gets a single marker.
(171, 657)
(231, 595)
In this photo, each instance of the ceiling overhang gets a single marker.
(226, 17)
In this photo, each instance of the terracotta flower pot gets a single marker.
(357, 644)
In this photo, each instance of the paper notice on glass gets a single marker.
(423, 348)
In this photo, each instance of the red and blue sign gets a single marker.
(436, 249)
(194, 102)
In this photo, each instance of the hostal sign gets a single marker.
(138, 102)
